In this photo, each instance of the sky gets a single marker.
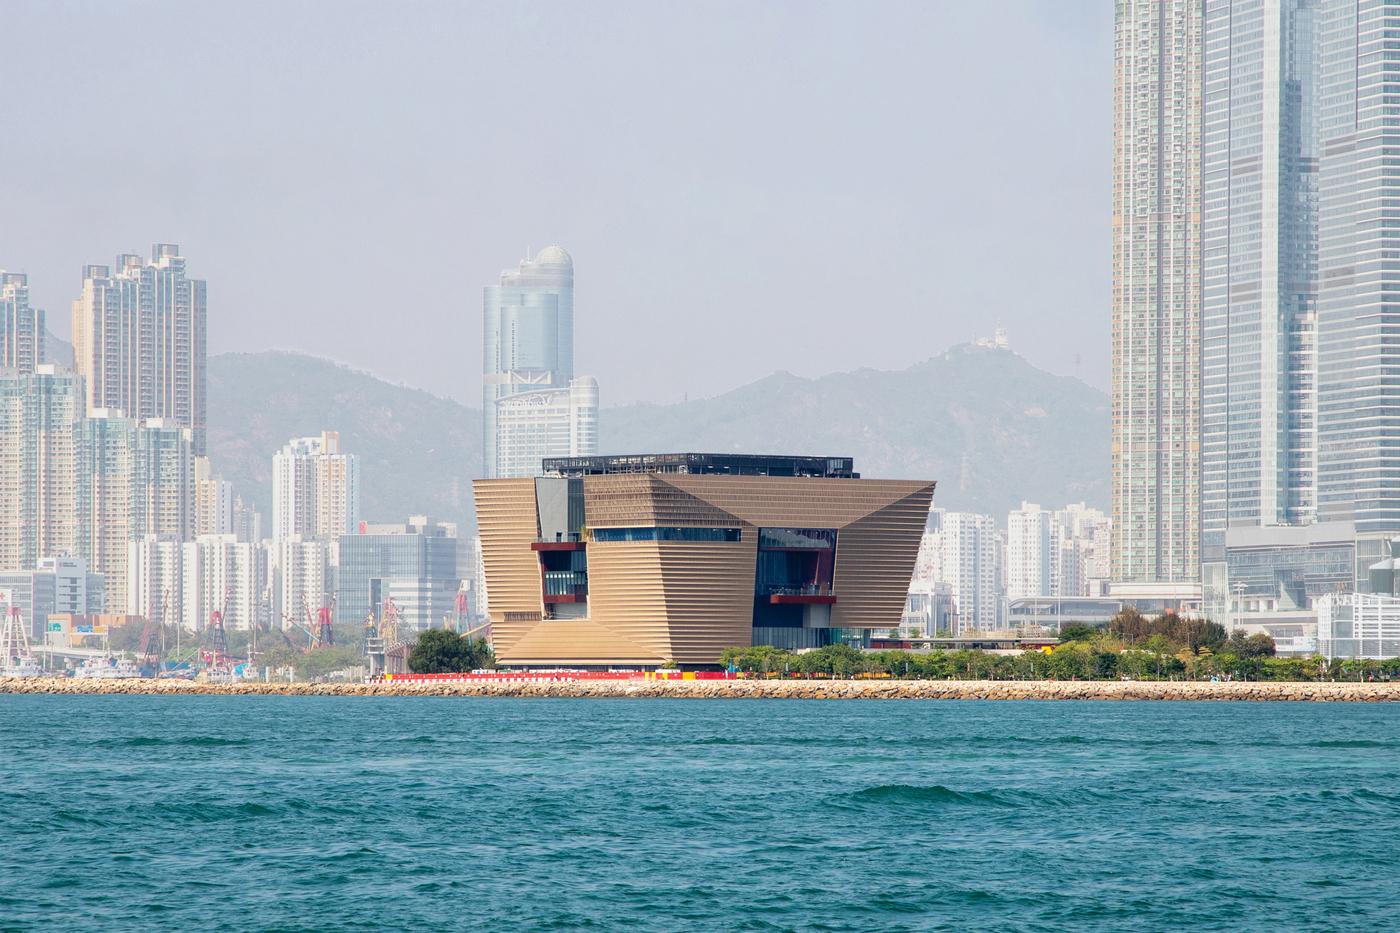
(745, 187)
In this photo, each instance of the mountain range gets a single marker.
(987, 425)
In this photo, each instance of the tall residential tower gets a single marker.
(22, 333)
(1156, 296)
(139, 339)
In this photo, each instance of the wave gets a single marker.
(190, 741)
(933, 793)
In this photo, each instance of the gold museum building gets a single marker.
(632, 561)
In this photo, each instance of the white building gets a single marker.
(963, 551)
(224, 574)
(1358, 625)
(133, 480)
(531, 426)
(155, 579)
(1062, 553)
(139, 335)
(22, 333)
(315, 488)
(39, 417)
(302, 577)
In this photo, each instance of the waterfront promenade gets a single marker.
(742, 689)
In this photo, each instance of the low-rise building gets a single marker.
(639, 560)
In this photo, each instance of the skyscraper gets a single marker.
(315, 488)
(40, 414)
(139, 339)
(1358, 424)
(1258, 310)
(22, 332)
(1156, 296)
(133, 480)
(528, 337)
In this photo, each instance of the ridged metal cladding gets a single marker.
(651, 601)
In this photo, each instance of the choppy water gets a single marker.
(275, 813)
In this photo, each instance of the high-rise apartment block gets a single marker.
(139, 336)
(315, 488)
(533, 407)
(22, 331)
(963, 552)
(40, 414)
(1156, 294)
(185, 582)
(1060, 553)
(302, 577)
(133, 480)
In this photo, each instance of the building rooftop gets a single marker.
(716, 464)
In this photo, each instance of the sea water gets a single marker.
(298, 813)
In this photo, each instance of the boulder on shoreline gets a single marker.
(742, 689)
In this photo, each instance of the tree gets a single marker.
(438, 651)
(1077, 631)
(1129, 625)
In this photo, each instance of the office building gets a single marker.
(1358, 300)
(535, 425)
(315, 488)
(1259, 296)
(532, 405)
(414, 563)
(22, 329)
(133, 480)
(58, 585)
(637, 560)
(40, 414)
(1156, 296)
(139, 336)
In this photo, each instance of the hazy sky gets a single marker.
(744, 187)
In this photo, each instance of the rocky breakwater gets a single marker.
(740, 689)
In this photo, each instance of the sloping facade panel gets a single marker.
(669, 598)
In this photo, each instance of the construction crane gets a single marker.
(217, 656)
(325, 632)
(153, 636)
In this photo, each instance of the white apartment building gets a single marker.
(133, 480)
(301, 575)
(1056, 553)
(139, 336)
(315, 488)
(39, 417)
(963, 551)
(22, 333)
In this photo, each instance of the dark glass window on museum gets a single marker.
(606, 535)
(805, 538)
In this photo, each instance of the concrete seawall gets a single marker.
(744, 689)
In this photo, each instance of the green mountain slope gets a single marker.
(990, 427)
(987, 425)
(418, 452)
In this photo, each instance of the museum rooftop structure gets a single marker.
(633, 561)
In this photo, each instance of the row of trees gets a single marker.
(1073, 660)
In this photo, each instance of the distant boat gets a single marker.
(23, 666)
(108, 668)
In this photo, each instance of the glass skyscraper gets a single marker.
(1156, 295)
(1359, 269)
(528, 344)
(1258, 175)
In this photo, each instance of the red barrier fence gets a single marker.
(559, 676)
